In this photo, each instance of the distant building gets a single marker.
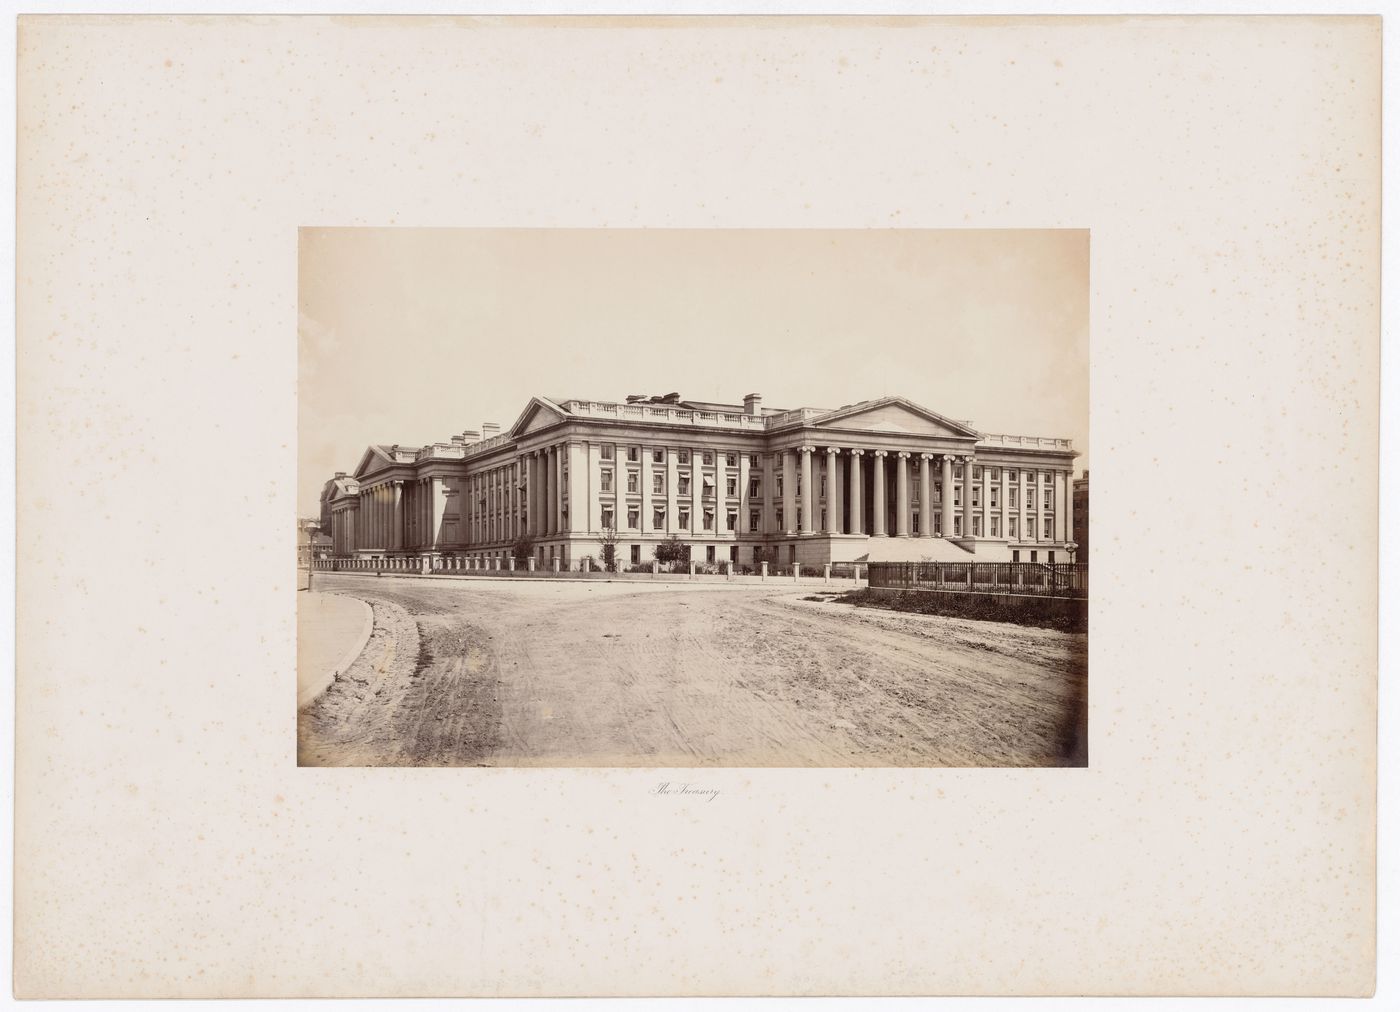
(311, 543)
(881, 479)
(1080, 529)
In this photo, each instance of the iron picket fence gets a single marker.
(1043, 579)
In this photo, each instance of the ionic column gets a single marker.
(901, 495)
(551, 491)
(833, 494)
(878, 528)
(1069, 510)
(857, 493)
(1059, 500)
(437, 506)
(925, 496)
(947, 477)
(789, 491)
(744, 503)
(697, 491)
(805, 521)
(967, 497)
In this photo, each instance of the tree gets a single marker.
(522, 550)
(607, 541)
(672, 551)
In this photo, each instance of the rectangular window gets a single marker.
(780, 484)
(683, 484)
(636, 555)
(916, 523)
(938, 525)
(684, 520)
(606, 482)
(709, 520)
(1047, 498)
(996, 527)
(780, 518)
(1032, 554)
(823, 520)
(1015, 555)
(957, 470)
(1045, 530)
(1050, 557)
(977, 495)
(957, 526)
(995, 497)
(753, 460)
(1010, 527)
(683, 456)
(1029, 476)
(607, 519)
(996, 473)
(753, 488)
(731, 519)
(707, 486)
(938, 492)
(1012, 476)
(607, 451)
(634, 454)
(658, 456)
(976, 474)
(731, 486)
(731, 460)
(915, 490)
(957, 495)
(976, 526)
(633, 518)
(753, 521)
(631, 481)
(707, 458)
(1045, 476)
(710, 553)
(658, 519)
(1030, 497)
(657, 483)
(757, 555)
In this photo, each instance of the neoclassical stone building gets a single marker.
(882, 479)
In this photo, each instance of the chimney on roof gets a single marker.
(489, 429)
(753, 403)
(470, 436)
(340, 474)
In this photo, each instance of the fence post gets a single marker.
(763, 570)
(826, 573)
(796, 571)
(692, 569)
(728, 570)
(510, 563)
(586, 567)
(655, 568)
(554, 564)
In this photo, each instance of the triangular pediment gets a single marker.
(894, 414)
(538, 414)
(373, 459)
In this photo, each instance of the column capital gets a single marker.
(881, 453)
(927, 456)
(904, 454)
(833, 449)
(967, 458)
(808, 449)
(856, 453)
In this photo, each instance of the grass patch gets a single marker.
(985, 607)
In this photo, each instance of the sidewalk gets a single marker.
(331, 632)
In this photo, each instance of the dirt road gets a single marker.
(546, 673)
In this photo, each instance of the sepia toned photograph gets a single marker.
(683, 499)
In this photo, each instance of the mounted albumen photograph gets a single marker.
(693, 498)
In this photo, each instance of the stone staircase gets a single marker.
(915, 550)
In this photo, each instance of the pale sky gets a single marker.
(411, 335)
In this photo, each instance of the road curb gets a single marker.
(773, 582)
(312, 692)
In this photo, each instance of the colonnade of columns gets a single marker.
(955, 501)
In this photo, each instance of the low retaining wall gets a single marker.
(1010, 607)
